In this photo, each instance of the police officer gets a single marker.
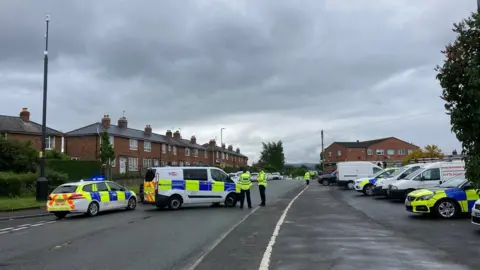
(262, 185)
(306, 177)
(245, 184)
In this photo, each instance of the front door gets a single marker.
(104, 194)
(117, 195)
(430, 178)
(123, 165)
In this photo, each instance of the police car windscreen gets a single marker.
(65, 189)
(150, 175)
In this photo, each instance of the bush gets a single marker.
(76, 169)
(16, 184)
(17, 156)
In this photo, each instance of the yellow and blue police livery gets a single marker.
(367, 185)
(173, 187)
(447, 200)
(90, 197)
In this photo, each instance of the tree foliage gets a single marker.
(53, 154)
(18, 157)
(272, 158)
(459, 77)
(429, 151)
(296, 171)
(106, 149)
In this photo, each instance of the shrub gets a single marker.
(76, 169)
(17, 184)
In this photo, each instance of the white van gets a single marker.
(381, 185)
(177, 186)
(431, 175)
(350, 171)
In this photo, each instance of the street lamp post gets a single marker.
(221, 132)
(42, 182)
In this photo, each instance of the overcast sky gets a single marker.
(264, 70)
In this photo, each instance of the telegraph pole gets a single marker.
(322, 156)
(42, 182)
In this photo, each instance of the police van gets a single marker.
(427, 177)
(173, 187)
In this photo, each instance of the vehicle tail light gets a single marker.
(76, 196)
(50, 198)
(156, 187)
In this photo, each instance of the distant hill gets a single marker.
(309, 165)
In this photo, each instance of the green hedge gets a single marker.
(76, 169)
(16, 184)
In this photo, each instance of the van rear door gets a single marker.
(149, 185)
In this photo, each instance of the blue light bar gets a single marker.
(98, 179)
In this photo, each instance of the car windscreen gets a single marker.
(455, 182)
(65, 189)
(398, 172)
(150, 175)
(413, 174)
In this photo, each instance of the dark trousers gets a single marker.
(307, 181)
(242, 198)
(261, 189)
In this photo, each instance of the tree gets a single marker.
(18, 157)
(53, 154)
(272, 158)
(429, 151)
(107, 155)
(459, 77)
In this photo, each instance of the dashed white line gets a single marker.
(24, 226)
(6, 229)
(264, 265)
(18, 229)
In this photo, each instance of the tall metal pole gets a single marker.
(478, 4)
(322, 154)
(42, 182)
(221, 134)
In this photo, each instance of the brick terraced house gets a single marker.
(387, 150)
(137, 149)
(20, 128)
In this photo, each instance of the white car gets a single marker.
(366, 185)
(275, 176)
(476, 213)
(253, 176)
(381, 185)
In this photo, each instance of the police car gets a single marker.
(173, 187)
(447, 200)
(366, 185)
(90, 197)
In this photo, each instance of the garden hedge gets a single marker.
(24, 184)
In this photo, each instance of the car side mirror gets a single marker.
(467, 187)
(123, 189)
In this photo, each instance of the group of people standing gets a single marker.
(245, 182)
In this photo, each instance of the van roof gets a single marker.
(442, 163)
(354, 162)
(182, 167)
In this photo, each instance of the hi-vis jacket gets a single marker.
(307, 176)
(244, 181)
(261, 179)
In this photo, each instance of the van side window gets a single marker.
(375, 170)
(102, 187)
(88, 188)
(195, 174)
(431, 175)
(218, 175)
(150, 175)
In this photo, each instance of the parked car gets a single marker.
(328, 178)
(275, 176)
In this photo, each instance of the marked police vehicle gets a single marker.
(476, 213)
(366, 185)
(173, 187)
(430, 176)
(90, 197)
(447, 200)
(381, 185)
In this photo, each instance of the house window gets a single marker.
(218, 154)
(132, 164)
(147, 163)
(329, 154)
(187, 152)
(205, 153)
(409, 151)
(380, 152)
(174, 150)
(164, 148)
(401, 152)
(147, 146)
(155, 162)
(49, 142)
(226, 155)
(390, 152)
(339, 153)
(181, 163)
(162, 163)
(223, 155)
(133, 144)
(369, 152)
(169, 148)
(195, 152)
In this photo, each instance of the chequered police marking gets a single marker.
(24, 227)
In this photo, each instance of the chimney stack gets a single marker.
(223, 145)
(148, 130)
(106, 121)
(238, 150)
(193, 140)
(168, 134)
(212, 144)
(122, 122)
(25, 115)
(358, 141)
(230, 147)
(177, 135)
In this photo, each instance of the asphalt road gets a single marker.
(321, 231)
(142, 239)
(458, 238)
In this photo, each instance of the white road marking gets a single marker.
(220, 239)
(18, 229)
(24, 226)
(6, 229)
(264, 265)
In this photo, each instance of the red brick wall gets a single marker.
(333, 149)
(394, 144)
(82, 147)
(35, 139)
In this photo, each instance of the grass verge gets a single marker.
(12, 204)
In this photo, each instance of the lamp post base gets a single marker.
(42, 189)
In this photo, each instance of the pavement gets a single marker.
(146, 238)
(21, 214)
(324, 230)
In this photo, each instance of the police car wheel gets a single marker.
(60, 215)
(350, 185)
(446, 209)
(132, 204)
(325, 182)
(93, 209)
(231, 200)
(368, 190)
(174, 202)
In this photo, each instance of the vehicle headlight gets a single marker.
(394, 187)
(425, 197)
